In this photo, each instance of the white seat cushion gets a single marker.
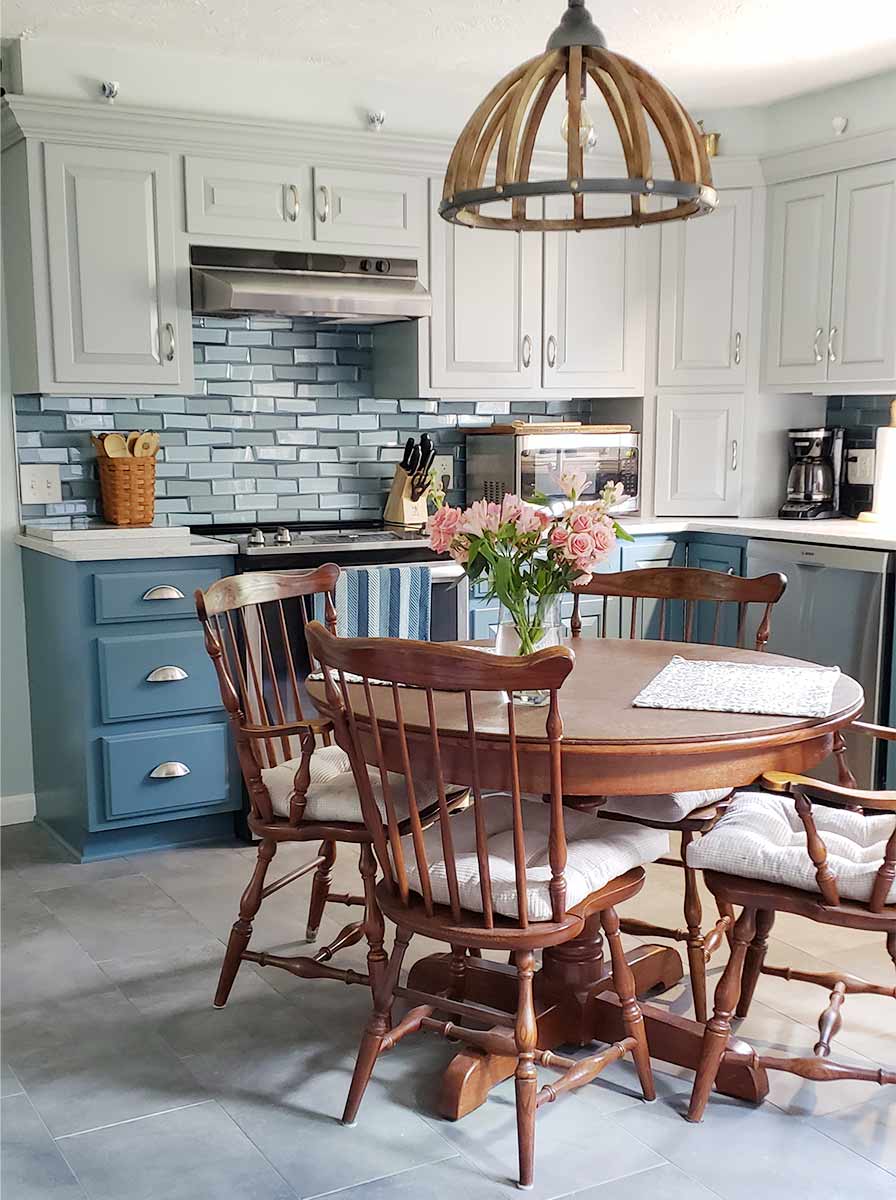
(595, 855)
(761, 836)
(332, 793)
(670, 808)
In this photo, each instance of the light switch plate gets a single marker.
(41, 484)
(860, 466)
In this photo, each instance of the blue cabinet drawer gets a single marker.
(155, 674)
(150, 595)
(167, 771)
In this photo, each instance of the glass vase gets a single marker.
(535, 628)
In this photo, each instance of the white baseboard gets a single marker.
(14, 810)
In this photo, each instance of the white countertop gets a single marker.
(857, 534)
(100, 549)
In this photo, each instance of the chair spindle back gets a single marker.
(399, 677)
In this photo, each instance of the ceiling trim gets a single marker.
(857, 150)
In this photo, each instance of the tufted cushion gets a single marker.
(332, 794)
(671, 808)
(761, 837)
(594, 856)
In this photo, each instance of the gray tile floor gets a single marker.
(119, 1081)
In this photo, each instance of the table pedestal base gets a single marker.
(575, 1005)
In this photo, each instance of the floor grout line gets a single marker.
(376, 1178)
(130, 1120)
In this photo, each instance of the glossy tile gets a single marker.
(868, 1129)
(31, 1166)
(664, 1182)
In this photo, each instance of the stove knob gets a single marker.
(255, 538)
(282, 537)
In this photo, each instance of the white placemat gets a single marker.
(774, 689)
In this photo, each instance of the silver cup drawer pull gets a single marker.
(169, 770)
(166, 675)
(164, 591)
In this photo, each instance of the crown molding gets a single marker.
(857, 150)
(119, 126)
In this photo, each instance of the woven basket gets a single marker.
(128, 489)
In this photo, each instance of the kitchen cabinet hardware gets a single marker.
(734, 454)
(552, 351)
(738, 340)
(164, 591)
(172, 342)
(169, 770)
(819, 357)
(293, 210)
(832, 353)
(527, 350)
(323, 211)
(166, 675)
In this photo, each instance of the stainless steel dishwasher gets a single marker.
(834, 612)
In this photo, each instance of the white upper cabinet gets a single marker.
(704, 296)
(369, 208)
(698, 447)
(594, 318)
(798, 293)
(862, 337)
(113, 298)
(486, 308)
(246, 199)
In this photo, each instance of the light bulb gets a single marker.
(587, 136)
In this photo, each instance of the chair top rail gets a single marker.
(685, 583)
(261, 587)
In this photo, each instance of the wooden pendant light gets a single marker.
(499, 140)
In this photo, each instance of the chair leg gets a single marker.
(693, 916)
(377, 1027)
(765, 919)
(242, 926)
(457, 975)
(320, 889)
(632, 1018)
(715, 1036)
(526, 1034)
(374, 927)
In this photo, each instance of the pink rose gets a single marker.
(580, 546)
(443, 527)
(604, 538)
(558, 536)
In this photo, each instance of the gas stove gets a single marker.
(262, 541)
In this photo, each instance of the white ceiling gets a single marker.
(716, 53)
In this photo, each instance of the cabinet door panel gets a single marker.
(863, 300)
(704, 295)
(643, 554)
(241, 198)
(799, 280)
(594, 320)
(706, 556)
(698, 440)
(369, 208)
(110, 234)
(486, 308)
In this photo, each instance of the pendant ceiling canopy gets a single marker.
(498, 141)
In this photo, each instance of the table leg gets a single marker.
(575, 1005)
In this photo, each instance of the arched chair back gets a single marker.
(387, 698)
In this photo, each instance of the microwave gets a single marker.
(529, 462)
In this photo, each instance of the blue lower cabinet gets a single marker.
(484, 622)
(642, 554)
(891, 746)
(726, 557)
(121, 686)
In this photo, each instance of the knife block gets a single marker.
(400, 508)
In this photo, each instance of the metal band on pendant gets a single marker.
(706, 197)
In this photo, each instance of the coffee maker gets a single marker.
(813, 482)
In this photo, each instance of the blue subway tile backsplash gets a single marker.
(282, 426)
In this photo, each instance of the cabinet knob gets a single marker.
(323, 209)
(738, 342)
(164, 591)
(169, 770)
(293, 211)
(166, 675)
(552, 351)
(818, 354)
(832, 354)
(527, 350)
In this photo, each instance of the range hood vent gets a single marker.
(333, 288)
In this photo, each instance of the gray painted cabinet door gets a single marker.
(801, 250)
(863, 299)
(369, 209)
(486, 308)
(248, 199)
(705, 295)
(110, 229)
(698, 443)
(594, 319)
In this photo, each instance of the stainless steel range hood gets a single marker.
(327, 287)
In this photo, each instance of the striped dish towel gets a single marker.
(382, 602)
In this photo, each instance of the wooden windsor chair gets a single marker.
(506, 874)
(688, 605)
(300, 785)
(749, 860)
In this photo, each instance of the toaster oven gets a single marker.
(529, 462)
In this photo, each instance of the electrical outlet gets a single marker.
(860, 466)
(443, 464)
(41, 484)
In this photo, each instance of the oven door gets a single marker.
(602, 458)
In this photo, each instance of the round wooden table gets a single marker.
(609, 748)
